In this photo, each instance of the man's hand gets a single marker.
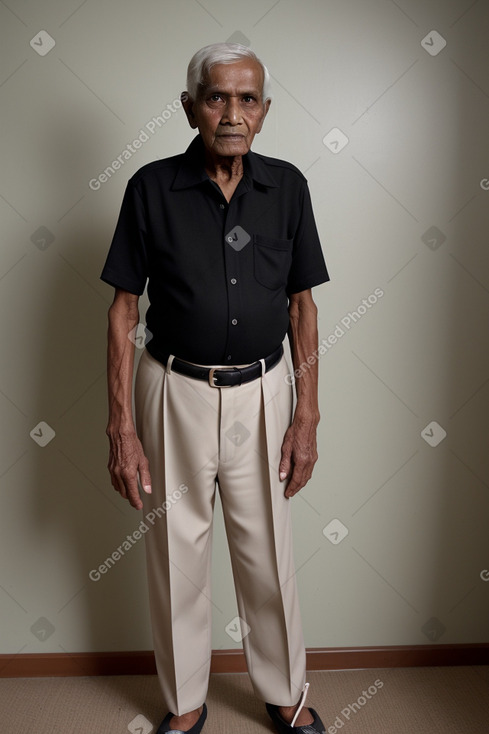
(126, 457)
(299, 453)
(126, 460)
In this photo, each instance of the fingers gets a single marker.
(144, 475)
(130, 481)
(298, 480)
(115, 477)
(297, 462)
(126, 462)
(300, 471)
(125, 483)
(285, 467)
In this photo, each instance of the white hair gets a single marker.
(221, 53)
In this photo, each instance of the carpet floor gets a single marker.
(445, 700)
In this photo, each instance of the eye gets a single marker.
(215, 97)
(248, 98)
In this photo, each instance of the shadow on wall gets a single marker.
(460, 321)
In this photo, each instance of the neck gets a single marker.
(224, 168)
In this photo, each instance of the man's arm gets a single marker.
(299, 453)
(126, 456)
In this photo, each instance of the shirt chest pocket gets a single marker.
(272, 259)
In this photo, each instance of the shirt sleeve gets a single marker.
(308, 267)
(126, 265)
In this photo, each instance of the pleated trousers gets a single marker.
(198, 438)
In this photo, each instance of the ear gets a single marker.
(266, 107)
(188, 106)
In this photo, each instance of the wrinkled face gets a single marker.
(229, 110)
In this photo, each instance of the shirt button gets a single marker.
(233, 281)
(234, 322)
(222, 206)
(229, 356)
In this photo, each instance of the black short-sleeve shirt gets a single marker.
(219, 274)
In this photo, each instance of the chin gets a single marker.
(230, 149)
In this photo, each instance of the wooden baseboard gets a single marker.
(233, 661)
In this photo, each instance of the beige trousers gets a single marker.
(197, 437)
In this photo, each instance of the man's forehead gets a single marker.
(240, 76)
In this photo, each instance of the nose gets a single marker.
(232, 112)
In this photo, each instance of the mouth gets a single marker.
(231, 136)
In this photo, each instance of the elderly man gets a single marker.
(227, 241)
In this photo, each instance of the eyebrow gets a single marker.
(217, 90)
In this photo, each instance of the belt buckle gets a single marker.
(212, 377)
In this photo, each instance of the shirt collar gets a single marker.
(191, 170)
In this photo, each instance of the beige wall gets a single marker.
(416, 514)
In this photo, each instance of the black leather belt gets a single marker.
(226, 376)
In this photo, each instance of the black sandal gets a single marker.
(317, 726)
(164, 727)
